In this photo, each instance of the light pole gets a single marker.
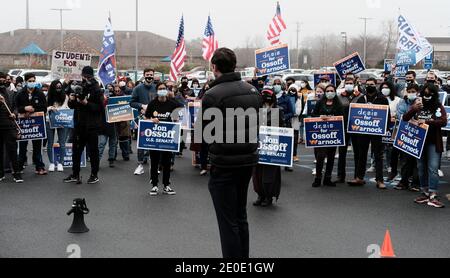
(365, 36)
(27, 24)
(344, 37)
(137, 42)
(61, 24)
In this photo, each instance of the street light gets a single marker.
(137, 42)
(365, 36)
(61, 24)
(344, 37)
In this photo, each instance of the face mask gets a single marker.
(149, 80)
(163, 93)
(122, 84)
(412, 97)
(31, 85)
(349, 88)
(409, 81)
(331, 95)
(386, 92)
(184, 84)
(371, 90)
(3, 85)
(431, 81)
(195, 86)
(277, 89)
(448, 82)
(303, 85)
(58, 90)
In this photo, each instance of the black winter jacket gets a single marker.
(229, 91)
(37, 100)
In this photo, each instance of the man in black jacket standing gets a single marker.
(87, 101)
(233, 161)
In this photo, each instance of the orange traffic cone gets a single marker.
(387, 250)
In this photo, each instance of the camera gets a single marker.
(78, 92)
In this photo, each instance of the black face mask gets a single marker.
(149, 80)
(59, 90)
(371, 90)
(3, 85)
(184, 84)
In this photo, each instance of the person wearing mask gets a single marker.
(346, 97)
(328, 106)
(232, 162)
(161, 109)
(184, 89)
(28, 101)
(289, 82)
(57, 99)
(87, 100)
(141, 97)
(8, 133)
(108, 134)
(267, 178)
(259, 82)
(428, 110)
(204, 149)
(372, 97)
(305, 90)
(130, 86)
(195, 88)
(409, 171)
(392, 154)
(294, 90)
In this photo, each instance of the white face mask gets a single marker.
(386, 92)
(448, 82)
(349, 88)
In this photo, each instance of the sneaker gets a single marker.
(154, 191)
(315, 161)
(2, 178)
(93, 180)
(60, 168)
(414, 188)
(389, 170)
(111, 164)
(314, 172)
(424, 198)
(371, 170)
(203, 172)
(139, 170)
(51, 168)
(18, 178)
(288, 169)
(441, 174)
(168, 191)
(296, 159)
(381, 185)
(72, 179)
(328, 183)
(391, 176)
(434, 202)
(400, 186)
(317, 183)
(448, 155)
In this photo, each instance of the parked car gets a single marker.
(42, 76)
(300, 77)
(364, 76)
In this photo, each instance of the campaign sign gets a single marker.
(406, 58)
(117, 113)
(184, 118)
(68, 162)
(411, 138)
(428, 66)
(159, 137)
(349, 64)
(62, 118)
(324, 133)
(330, 75)
(401, 71)
(368, 119)
(311, 106)
(389, 65)
(32, 128)
(68, 65)
(193, 108)
(272, 60)
(119, 100)
(447, 109)
(389, 138)
(443, 97)
(276, 146)
(429, 58)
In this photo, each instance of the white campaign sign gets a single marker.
(68, 65)
(410, 39)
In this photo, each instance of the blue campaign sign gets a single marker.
(401, 71)
(389, 65)
(32, 128)
(159, 137)
(443, 97)
(368, 119)
(193, 108)
(61, 119)
(68, 155)
(350, 64)
(272, 60)
(276, 146)
(116, 113)
(411, 138)
(406, 58)
(119, 100)
(429, 58)
(428, 66)
(322, 133)
(311, 106)
(389, 138)
(319, 76)
(447, 109)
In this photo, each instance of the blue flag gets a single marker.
(107, 69)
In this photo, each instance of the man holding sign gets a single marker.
(370, 123)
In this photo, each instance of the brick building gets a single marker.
(152, 48)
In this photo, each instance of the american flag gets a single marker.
(276, 27)
(179, 56)
(210, 43)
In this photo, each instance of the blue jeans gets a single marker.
(428, 169)
(143, 156)
(62, 137)
(37, 154)
(102, 141)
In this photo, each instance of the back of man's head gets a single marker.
(224, 60)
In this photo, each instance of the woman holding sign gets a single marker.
(328, 106)
(161, 109)
(57, 99)
(428, 110)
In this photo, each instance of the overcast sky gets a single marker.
(233, 20)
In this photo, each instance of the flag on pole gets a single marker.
(179, 56)
(411, 39)
(276, 27)
(210, 43)
(107, 69)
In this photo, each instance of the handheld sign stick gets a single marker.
(19, 130)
